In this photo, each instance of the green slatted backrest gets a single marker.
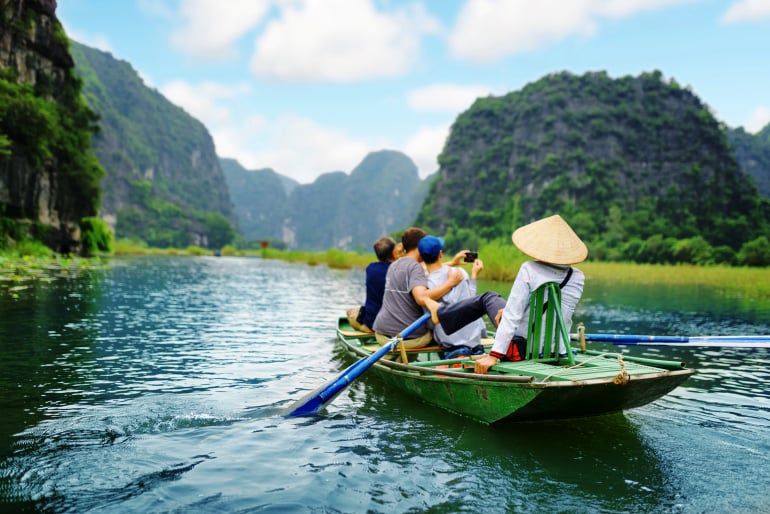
(546, 324)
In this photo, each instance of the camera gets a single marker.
(471, 256)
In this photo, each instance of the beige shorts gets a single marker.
(417, 342)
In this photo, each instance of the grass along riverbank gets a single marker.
(501, 263)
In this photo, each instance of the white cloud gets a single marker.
(237, 141)
(758, 120)
(340, 41)
(623, 8)
(302, 149)
(203, 101)
(488, 30)
(445, 97)
(291, 145)
(425, 146)
(157, 8)
(212, 26)
(747, 10)
(98, 41)
(296, 147)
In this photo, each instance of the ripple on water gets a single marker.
(163, 388)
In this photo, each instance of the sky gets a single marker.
(307, 87)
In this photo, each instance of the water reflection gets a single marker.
(586, 465)
(45, 349)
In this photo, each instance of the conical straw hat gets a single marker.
(550, 240)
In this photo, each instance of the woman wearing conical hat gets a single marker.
(555, 247)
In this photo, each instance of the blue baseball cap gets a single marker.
(429, 247)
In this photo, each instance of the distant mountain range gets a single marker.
(381, 195)
(163, 178)
(622, 159)
(753, 155)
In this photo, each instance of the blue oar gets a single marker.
(644, 340)
(311, 403)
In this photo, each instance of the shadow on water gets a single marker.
(599, 464)
(46, 350)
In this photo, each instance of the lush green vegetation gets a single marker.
(163, 224)
(95, 236)
(39, 134)
(502, 262)
(32, 262)
(638, 166)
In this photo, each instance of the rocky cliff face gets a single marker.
(29, 42)
(40, 101)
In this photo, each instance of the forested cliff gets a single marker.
(635, 164)
(49, 178)
(163, 184)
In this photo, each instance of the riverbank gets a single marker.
(19, 272)
(501, 264)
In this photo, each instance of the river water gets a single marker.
(157, 386)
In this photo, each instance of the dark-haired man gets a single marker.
(361, 318)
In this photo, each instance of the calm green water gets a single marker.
(156, 386)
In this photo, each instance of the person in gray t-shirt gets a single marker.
(406, 293)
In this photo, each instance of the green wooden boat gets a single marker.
(587, 383)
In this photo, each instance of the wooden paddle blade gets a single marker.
(314, 401)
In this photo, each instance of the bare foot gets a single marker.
(433, 306)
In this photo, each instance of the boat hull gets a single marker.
(517, 397)
(498, 402)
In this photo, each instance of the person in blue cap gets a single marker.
(465, 342)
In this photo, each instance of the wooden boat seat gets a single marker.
(547, 328)
(355, 333)
(485, 342)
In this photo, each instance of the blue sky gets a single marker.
(311, 86)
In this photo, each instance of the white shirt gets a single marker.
(532, 275)
(470, 334)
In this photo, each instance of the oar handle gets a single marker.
(391, 345)
(313, 402)
(745, 341)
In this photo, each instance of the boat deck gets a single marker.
(584, 369)
(587, 367)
